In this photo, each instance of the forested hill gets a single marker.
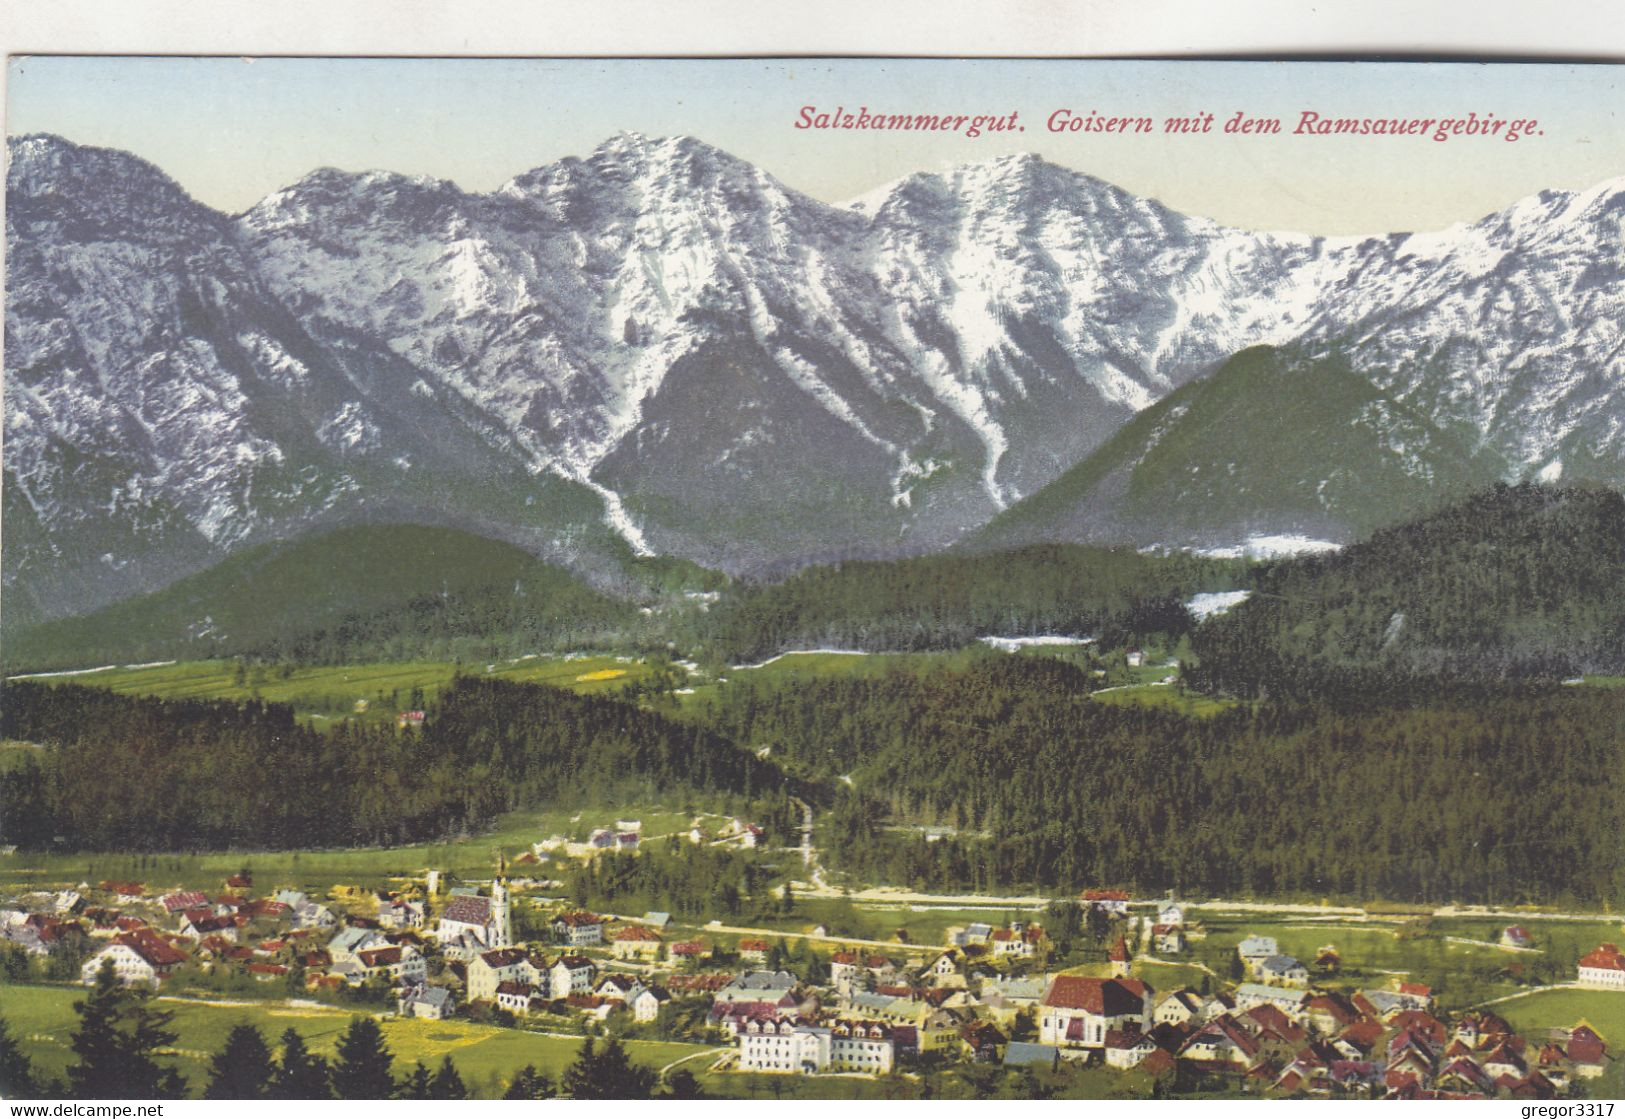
(947, 601)
(1517, 581)
(1046, 787)
(370, 591)
(127, 773)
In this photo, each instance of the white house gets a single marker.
(646, 1004)
(783, 1045)
(514, 996)
(1603, 968)
(1283, 971)
(572, 975)
(402, 964)
(489, 970)
(1177, 1008)
(796, 1045)
(137, 957)
(861, 1047)
(419, 1001)
(578, 929)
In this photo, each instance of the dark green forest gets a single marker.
(1507, 794)
(1500, 794)
(1515, 582)
(130, 773)
(946, 601)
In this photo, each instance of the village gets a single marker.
(986, 997)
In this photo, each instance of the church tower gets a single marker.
(501, 923)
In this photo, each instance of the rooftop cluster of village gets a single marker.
(984, 997)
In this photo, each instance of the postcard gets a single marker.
(805, 578)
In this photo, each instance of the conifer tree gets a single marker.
(116, 1043)
(300, 1075)
(528, 1084)
(242, 1070)
(607, 1074)
(17, 1079)
(447, 1083)
(362, 1071)
(418, 1083)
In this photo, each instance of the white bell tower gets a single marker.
(501, 922)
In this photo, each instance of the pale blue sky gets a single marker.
(232, 131)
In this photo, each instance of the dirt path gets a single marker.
(770, 933)
(1532, 991)
(1489, 944)
(692, 1056)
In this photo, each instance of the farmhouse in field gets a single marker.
(1604, 967)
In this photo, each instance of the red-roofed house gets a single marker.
(137, 957)
(1586, 1051)
(1224, 1041)
(267, 973)
(637, 942)
(182, 900)
(754, 950)
(1114, 902)
(400, 964)
(1603, 968)
(1077, 1010)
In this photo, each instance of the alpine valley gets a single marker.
(1009, 639)
(658, 349)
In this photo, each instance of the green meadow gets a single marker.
(42, 1019)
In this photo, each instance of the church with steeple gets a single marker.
(471, 924)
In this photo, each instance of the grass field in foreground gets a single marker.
(42, 1019)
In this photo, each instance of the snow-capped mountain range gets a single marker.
(660, 348)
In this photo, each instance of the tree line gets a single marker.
(1501, 794)
(947, 601)
(132, 773)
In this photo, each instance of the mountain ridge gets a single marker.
(661, 348)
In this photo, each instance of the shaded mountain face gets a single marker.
(1273, 444)
(659, 348)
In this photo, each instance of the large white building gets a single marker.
(490, 969)
(798, 1045)
(1603, 968)
(138, 957)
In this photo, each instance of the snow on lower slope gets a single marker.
(1212, 603)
